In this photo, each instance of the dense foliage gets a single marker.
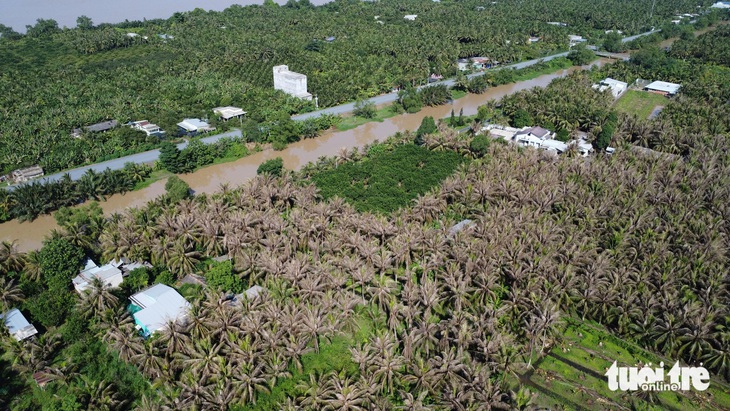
(273, 167)
(28, 201)
(55, 80)
(386, 181)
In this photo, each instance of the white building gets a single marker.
(575, 39)
(17, 325)
(410, 17)
(109, 274)
(721, 5)
(617, 87)
(228, 112)
(26, 174)
(148, 128)
(555, 146)
(663, 88)
(497, 131)
(192, 126)
(156, 306)
(291, 83)
(584, 148)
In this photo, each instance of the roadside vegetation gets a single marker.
(55, 80)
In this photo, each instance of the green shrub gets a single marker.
(273, 167)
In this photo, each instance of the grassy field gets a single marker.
(640, 103)
(351, 122)
(572, 376)
(388, 181)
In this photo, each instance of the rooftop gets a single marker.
(17, 325)
(105, 273)
(103, 126)
(193, 124)
(159, 304)
(671, 88)
(229, 112)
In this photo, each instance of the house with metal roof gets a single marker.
(617, 87)
(109, 274)
(229, 112)
(662, 87)
(17, 325)
(554, 146)
(96, 128)
(25, 174)
(149, 128)
(155, 306)
(193, 126)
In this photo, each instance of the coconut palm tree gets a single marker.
(97, 299)
(9, 293)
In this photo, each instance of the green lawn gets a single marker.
(389, 180)
(640, 103)
(572, 376)
(351, 122)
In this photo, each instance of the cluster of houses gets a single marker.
(617, 87)
(153, 308)
(187, 127)
(536, 137)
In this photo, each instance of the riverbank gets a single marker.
(210, 178)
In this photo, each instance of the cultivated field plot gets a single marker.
(640, 103)
(572, 376)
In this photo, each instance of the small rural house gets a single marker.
(149, 128)
(96, 128)
(575, 39)
(410, 17)
(17, 325)
(25, 174)
(617, 87)
(662, 87)
(584, 148)
(554, 146)
(109, 274)
(193, 126)
(229, 112)
(155, 306)
(532, 136)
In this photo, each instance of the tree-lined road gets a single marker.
(153, 155)
(118, 163)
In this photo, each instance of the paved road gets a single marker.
(631, 38)
(391, 97)
(139, 158)
(153, 155)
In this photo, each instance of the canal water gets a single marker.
(207, 180)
